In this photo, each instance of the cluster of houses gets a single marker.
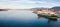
(47, 11)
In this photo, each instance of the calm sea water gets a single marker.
(24, 18)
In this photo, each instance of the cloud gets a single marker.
(28, 3)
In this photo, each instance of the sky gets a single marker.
(25, 4)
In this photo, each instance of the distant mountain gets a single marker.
(39, 8)
(56, 8)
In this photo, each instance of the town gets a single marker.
(48, 12)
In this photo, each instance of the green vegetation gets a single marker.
(51, 17)
(43, 15)
(54, 15)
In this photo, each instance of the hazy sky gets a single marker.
(21, 4)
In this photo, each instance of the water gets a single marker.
(24, 18)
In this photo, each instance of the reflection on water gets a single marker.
(49, 20)
(24, 18)
(53, 22)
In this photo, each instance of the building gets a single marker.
(46, 12)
